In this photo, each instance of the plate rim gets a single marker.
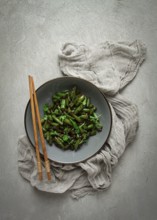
(80, 161)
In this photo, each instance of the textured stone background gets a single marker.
(31, 35)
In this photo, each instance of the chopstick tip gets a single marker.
(49, 176)
(40, 176)
(30, 77)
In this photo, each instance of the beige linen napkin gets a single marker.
(110, 66)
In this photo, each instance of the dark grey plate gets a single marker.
(94, 143)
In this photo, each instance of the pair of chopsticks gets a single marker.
(36, 118)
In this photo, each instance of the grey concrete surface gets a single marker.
(31, 35)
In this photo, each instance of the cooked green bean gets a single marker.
(70, 119)
(57, 120)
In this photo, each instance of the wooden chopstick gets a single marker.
(47, 164)
(39, 167)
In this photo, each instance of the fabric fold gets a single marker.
(110, 66)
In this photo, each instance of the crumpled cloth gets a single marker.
(110, 66)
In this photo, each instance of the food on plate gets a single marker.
(70, 119)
